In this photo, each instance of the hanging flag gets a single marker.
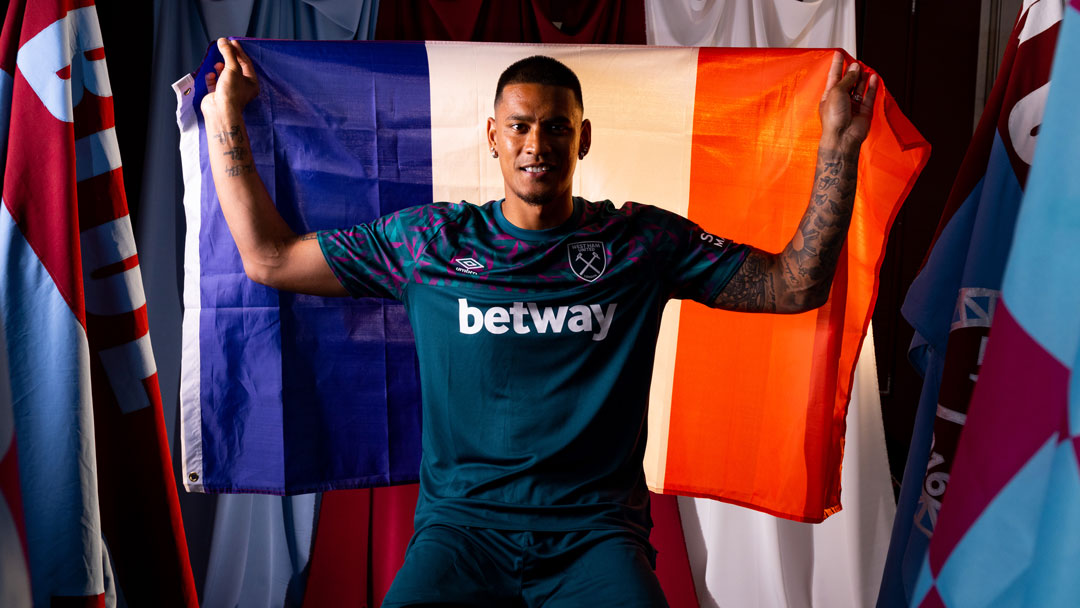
(14, 569)
(288, 393)
(1009, 530)
(952, 301)
(97, 487)
(596, 22)
(751, 23)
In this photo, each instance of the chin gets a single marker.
(538, 199)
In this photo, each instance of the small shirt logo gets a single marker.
(467, 265)
(588, 259)
(712, 239)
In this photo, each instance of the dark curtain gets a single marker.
(546, 21)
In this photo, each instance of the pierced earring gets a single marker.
(494, 154)
(582, 153)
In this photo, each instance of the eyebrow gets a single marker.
(525, 118)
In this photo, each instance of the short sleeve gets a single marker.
(377, 259)
(700, 263)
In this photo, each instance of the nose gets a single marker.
(536, 142)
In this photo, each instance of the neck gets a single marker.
(537, 217)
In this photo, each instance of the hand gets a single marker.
(232, 84)
(847, 106)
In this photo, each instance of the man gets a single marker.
(535, 320)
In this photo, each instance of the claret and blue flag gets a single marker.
(952, 303)
(285, 393)
(1008, 533)
(88, 503)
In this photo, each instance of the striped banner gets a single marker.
(101, 510)
(1009, 529)
(745, 408)
(952, 302)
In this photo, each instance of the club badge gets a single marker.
(588, 259)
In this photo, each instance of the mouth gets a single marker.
(538, 169)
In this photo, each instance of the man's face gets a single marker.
(537, 131)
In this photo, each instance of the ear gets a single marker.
(585, 142)
(491, 132)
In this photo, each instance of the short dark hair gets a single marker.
(540, 69)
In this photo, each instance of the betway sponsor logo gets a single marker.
(525, 317)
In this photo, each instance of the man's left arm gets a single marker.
(799, 278)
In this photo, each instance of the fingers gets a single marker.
(235, 58)
(228, 53)
(867, 103)
(212, 77)
(246, 65)
(835, 70)
(848, 82)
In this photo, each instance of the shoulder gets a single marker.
(411, 227)
(431, 216)
(418, 223)
(628, 210)
(639, 216)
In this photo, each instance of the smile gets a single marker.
(537, 169)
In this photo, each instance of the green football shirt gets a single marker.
(536, 351)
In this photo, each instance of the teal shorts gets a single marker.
(448, 565)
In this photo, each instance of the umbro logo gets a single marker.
(467, 265)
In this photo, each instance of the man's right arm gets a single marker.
(272, 253)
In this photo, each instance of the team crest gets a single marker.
(588, 259)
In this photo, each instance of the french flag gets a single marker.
(283, 393)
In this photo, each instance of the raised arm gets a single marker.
(272, 253)
(799, 278)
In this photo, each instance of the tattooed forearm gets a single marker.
(799, 278)
(236, 153)
(236, 149)
(238, 170)
(809, 261)
(232, 135)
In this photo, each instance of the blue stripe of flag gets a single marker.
(301, 393)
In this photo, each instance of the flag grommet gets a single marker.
(193, 477)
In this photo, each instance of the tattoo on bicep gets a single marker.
(753, 287)
(311, 236)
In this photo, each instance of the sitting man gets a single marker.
(536, 319)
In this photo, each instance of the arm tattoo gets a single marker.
(753, 288)
(311, 236)
(234, 138)
(800, 277)
(233, 134)
(238, 170)
(809, 261)
(235, 153)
